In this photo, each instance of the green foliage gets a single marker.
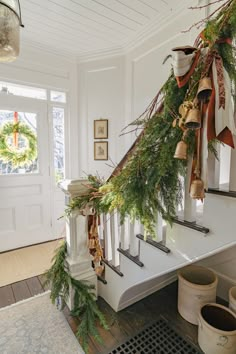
(86, 309)
(18, 157)
(85, 306)
(57, 276)
(150, 180)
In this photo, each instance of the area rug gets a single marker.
(158, 338)
(36, 326)
(26, 262)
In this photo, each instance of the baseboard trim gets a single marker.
(224, 284)
(147, 292)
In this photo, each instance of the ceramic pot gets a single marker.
(232, 299)
(217, 329)
(197, 286)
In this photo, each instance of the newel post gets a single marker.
(78, 259)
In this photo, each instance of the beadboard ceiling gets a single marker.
(83, 28)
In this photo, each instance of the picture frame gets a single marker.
(101, 129)
(100, 150)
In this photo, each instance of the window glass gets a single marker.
(21, 90)
(19, 143)
(59, 155)
(57, 96)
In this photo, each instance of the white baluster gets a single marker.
(232, 178)
(134, 229)
(107, 237)
(124, 234)
(189, 203)
(114, 241)
(214, 169)
(225, 157)
(159, 228)
(101, 228)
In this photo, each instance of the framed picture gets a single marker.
(101, 129)
(100, 150)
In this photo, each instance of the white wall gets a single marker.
(101, 87)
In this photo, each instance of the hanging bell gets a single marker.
(181, 150)
(197, 189)
(193, 120)
(204, 89)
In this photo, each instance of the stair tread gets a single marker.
(154, 243)
(116, 269)
(192, 225)
(134, 259)
(222, 192)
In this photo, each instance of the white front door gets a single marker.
(25, 193)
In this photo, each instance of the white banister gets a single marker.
(189, 203)
(78, 259)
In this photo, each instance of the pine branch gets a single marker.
(85, 306)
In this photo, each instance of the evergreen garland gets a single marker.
(18, 157)
(150, 181)
(85, 306)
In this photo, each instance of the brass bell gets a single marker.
(197, 189)
(181, 150)
(204, 89)
(193, 120)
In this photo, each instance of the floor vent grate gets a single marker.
(158, 338)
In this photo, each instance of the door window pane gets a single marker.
(18, 142)
(59, 155)
(58, 96)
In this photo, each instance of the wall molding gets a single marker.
(169, 279)
(225, 283)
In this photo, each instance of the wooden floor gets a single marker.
(123, 324)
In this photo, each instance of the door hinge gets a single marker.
(49, 171)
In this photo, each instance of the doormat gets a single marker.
(26, 262)
(158, 338)
(36, 326)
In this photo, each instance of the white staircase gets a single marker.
(134, 268)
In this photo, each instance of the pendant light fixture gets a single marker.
(10, 23)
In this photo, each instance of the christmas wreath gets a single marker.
(18, 156)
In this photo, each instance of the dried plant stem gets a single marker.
(203, 6)
(199, 23)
